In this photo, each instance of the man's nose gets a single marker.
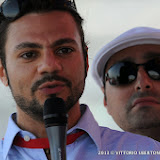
(49, 63)
(143, 81)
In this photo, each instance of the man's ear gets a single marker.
(104, 99)
(87, 61)
(3, 74)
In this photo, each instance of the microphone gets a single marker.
(55, 119)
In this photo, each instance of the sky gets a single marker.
(103, 21)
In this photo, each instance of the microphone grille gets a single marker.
(54, 105)
(54, 112)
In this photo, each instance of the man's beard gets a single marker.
(34, 109)
(145, 117)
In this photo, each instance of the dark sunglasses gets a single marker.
(10, 9)
(123, 73)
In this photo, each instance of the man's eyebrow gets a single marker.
(63, 41)
(59, 42)
(147, 55)
(152, 54)
(24, 45)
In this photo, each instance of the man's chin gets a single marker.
(144, 122)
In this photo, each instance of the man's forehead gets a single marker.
(43, 21)
(134, 53)
(42, 29)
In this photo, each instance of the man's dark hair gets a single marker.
(39, 6)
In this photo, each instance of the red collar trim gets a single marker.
(43, 142)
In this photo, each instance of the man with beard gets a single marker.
(43, 55)
(128, 71)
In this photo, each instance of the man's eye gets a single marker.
(64, 51)
(28, 55)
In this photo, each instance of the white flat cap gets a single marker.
(132, 37)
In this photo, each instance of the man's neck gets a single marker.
(27, 123)
(151, 132)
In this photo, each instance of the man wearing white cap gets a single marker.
(128, 71)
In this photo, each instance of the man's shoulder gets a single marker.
(1, 149)
(129, 139)
(1, 144)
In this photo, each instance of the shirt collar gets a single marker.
(12, 131)
(89, 125)
(9, 136)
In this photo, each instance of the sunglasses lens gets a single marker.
(153, 69)
(10, 8)
(122, 73)
(154, 74)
